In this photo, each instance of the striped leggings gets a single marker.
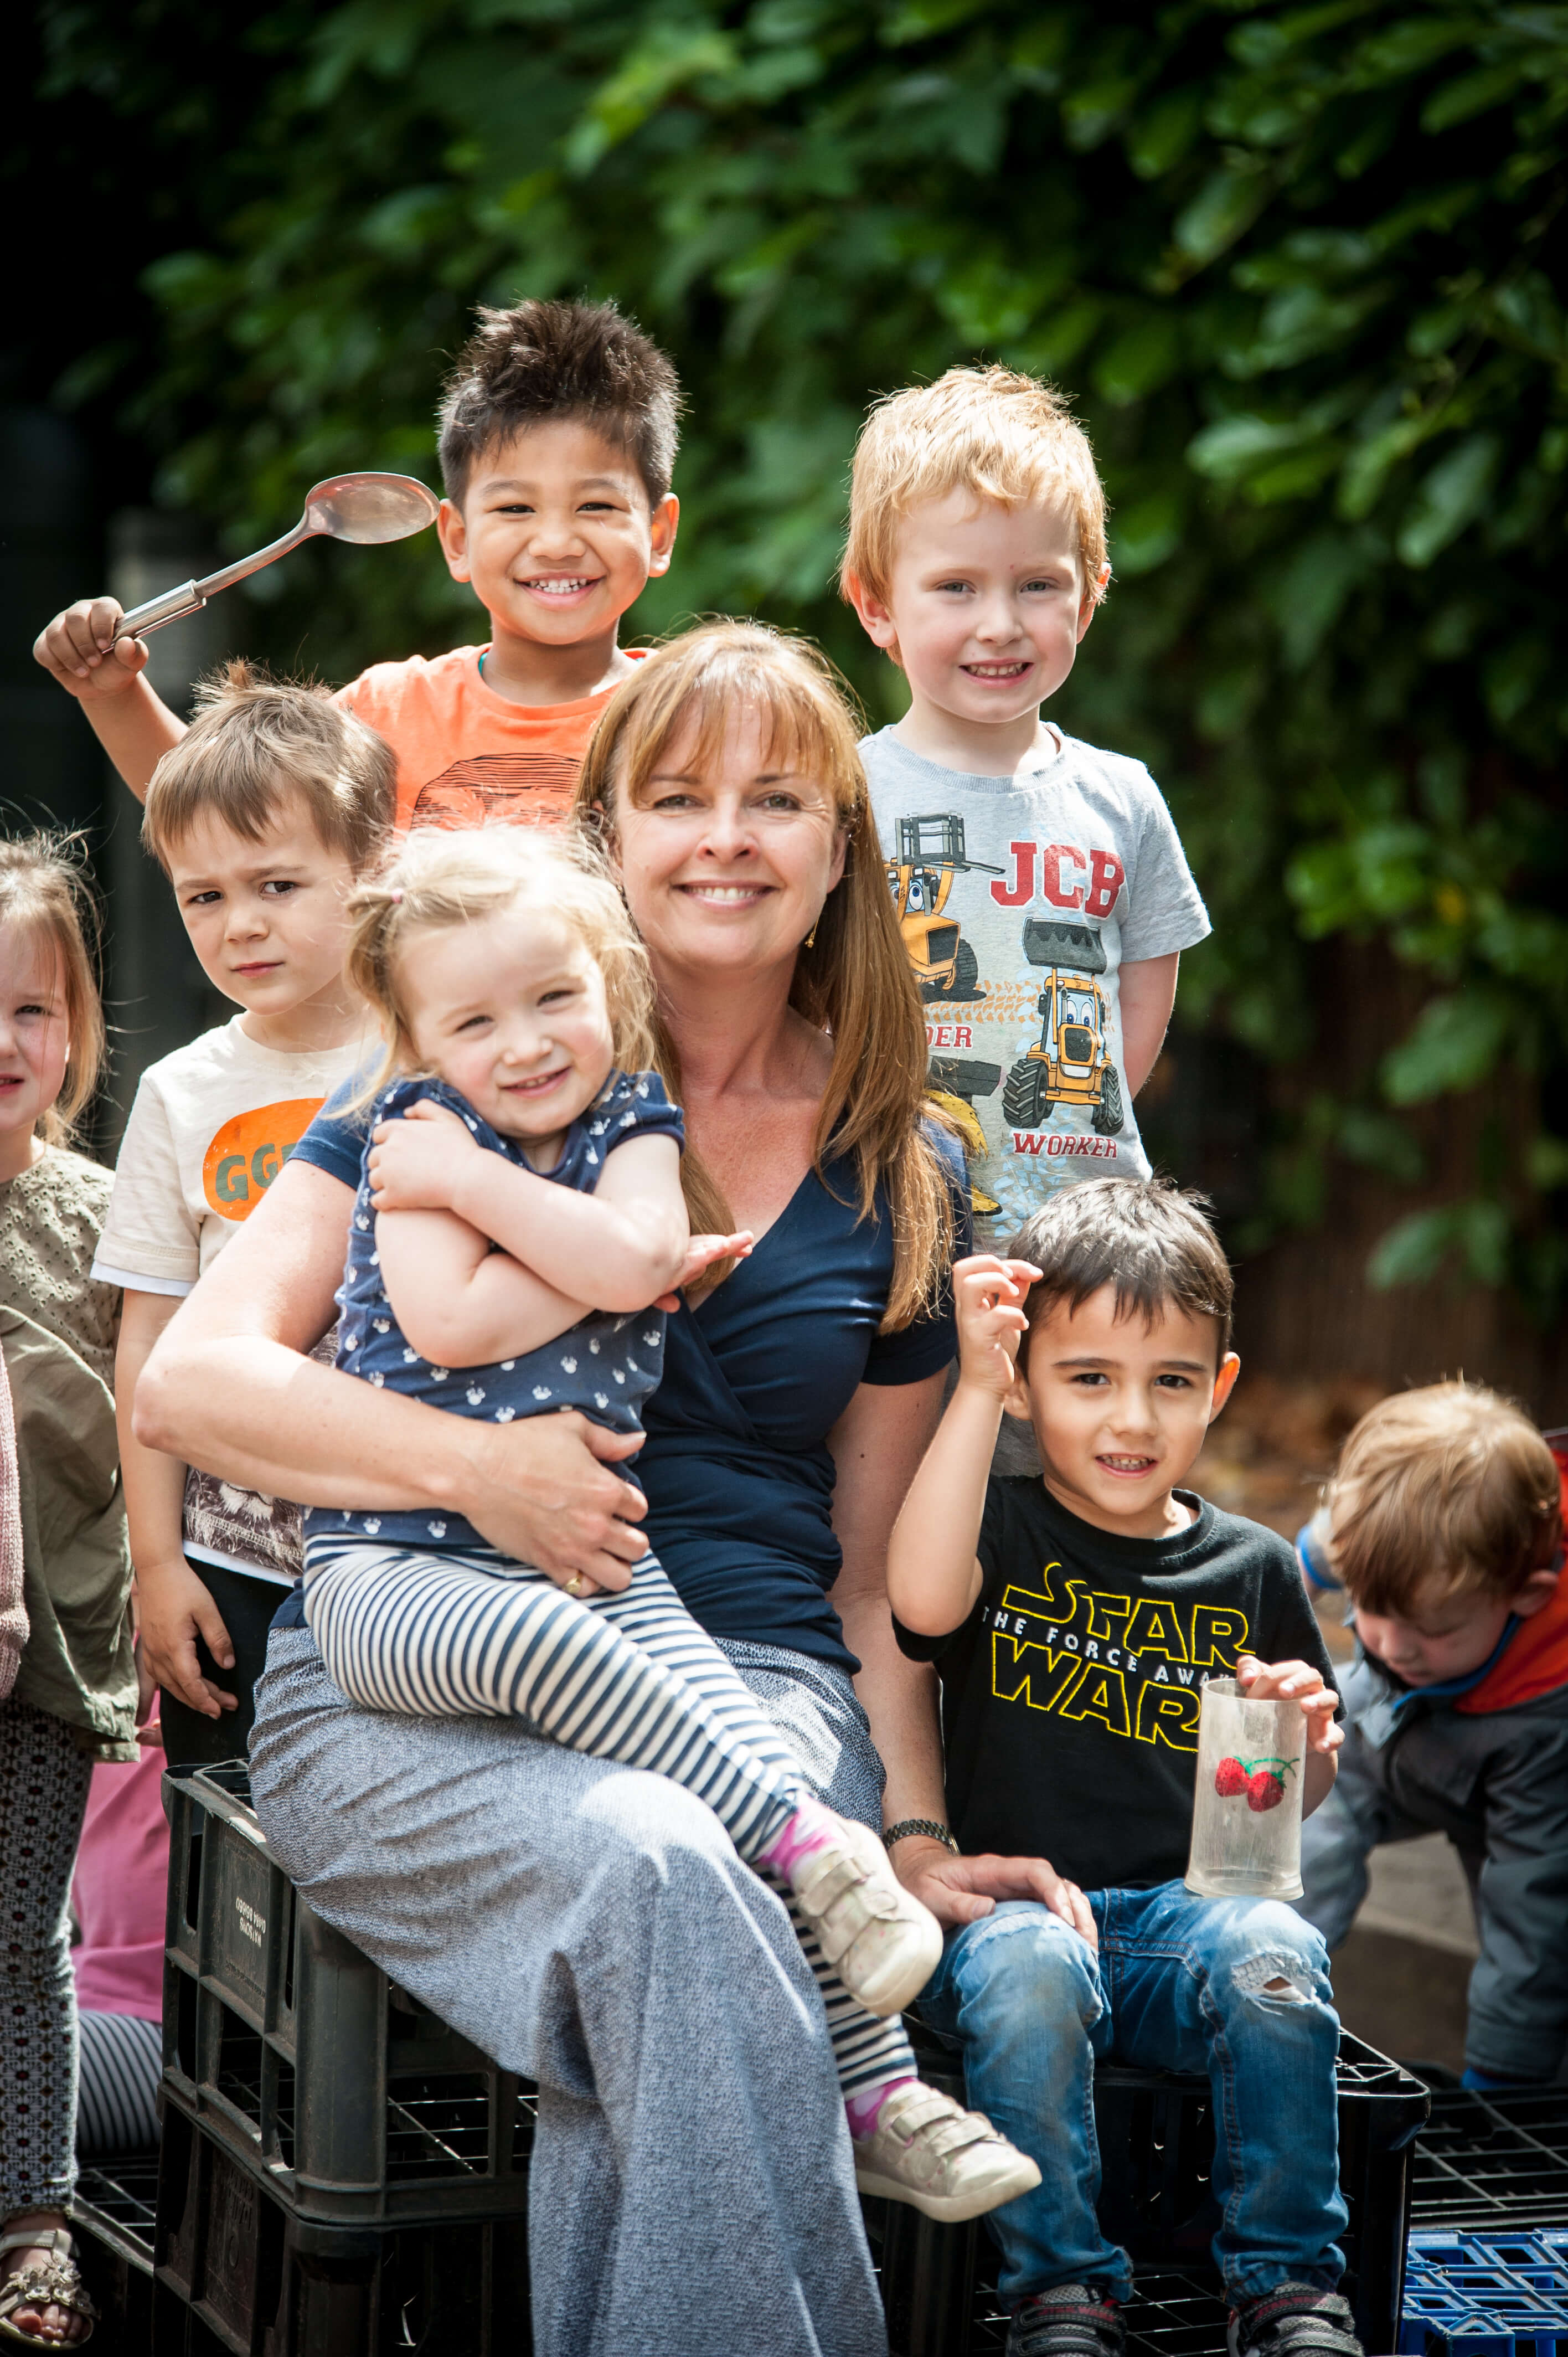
(630, 1677)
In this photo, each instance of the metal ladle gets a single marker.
(364, 508)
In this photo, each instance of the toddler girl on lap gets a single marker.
(519, 1216)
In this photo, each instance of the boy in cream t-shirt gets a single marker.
(262, 817)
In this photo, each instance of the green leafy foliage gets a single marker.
(1301, 267)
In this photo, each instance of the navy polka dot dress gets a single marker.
(605, 1366)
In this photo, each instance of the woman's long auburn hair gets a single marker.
(854, 981)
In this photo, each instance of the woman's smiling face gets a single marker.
(727, 856)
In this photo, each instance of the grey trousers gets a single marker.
(693, 2186)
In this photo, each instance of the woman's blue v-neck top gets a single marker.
(737, 1468)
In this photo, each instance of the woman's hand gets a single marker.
(988, 1294)
(416, 1161)
(542, 1492)
(963, 1890)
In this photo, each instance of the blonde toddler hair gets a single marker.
(1451, 1487)
(254, 742)
(438, 879)
(992, 432)
(44, 894)
(851, 979)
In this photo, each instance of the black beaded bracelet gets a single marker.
(926, 1825)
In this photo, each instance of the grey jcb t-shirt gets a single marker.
(1020, 900)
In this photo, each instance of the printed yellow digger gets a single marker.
(930, 855)
(1070, 1062)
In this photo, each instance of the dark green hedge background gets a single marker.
(1301, 267)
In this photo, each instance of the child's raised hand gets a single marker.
(1299, 1682)
(702, 1252)
(414, 1161)
(988, 1301)
(79, 649)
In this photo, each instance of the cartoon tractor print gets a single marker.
(953, 1083)
(1071, 1063)
(930, 853)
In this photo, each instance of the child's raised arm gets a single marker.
(933, 1575)
(134, 725)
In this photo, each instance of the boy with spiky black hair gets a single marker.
(558, 431)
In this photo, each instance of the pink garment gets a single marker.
(13, 1611)
(121, 1878)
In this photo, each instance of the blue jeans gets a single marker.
(1180, 1983)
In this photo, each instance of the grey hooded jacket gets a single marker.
(1497, 1783)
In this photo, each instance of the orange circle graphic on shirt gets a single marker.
(249, 1151)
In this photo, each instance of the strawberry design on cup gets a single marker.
(1262, 1779)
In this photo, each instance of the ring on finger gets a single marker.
(575, 1585)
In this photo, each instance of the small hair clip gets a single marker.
(395, 895)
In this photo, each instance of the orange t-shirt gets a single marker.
(465, 754)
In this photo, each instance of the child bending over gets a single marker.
(518, 1211)
(1075, 1617)
(1444, 1521)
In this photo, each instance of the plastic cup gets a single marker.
(1246, 1811)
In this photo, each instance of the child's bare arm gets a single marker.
(460, 1303)
(1148, 987)
(173, 1606)
(617, 1249)
(136, 728)
(1298, 1681)
(933, 1576)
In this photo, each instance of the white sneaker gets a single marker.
(884, 1943)
(950, 2163)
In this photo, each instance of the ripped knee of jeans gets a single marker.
(1275, 1976)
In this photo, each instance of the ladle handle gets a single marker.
(170, 607)
(192, 595)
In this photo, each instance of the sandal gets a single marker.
(56, 2283)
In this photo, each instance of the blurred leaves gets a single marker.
(1302, 268)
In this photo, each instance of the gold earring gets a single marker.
(812, 936)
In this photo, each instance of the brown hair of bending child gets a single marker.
(437, 880)
(44, 892)
(852, 979)
(255, 741)
(1449, 1488)
(540, 363)
(1149, 1238)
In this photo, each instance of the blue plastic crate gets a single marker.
(1486, 2294)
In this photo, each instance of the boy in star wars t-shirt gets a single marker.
(1039, 884)
(1074, 1618)
(262, 817)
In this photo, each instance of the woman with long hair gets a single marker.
(692, 2186)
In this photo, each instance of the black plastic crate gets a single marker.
(1492, 2161)
(111, 2220)
(238, 2273)
(1157, 2144)
(358, 2103)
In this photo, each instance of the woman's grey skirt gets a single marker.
(691, 2186)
